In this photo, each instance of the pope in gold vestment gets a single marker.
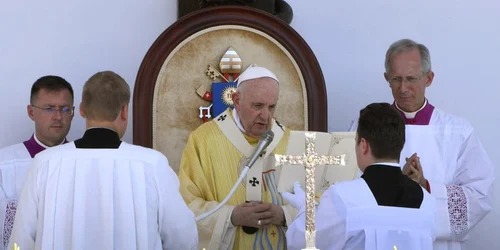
(210, 166)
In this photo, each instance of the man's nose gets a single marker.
(264, 114)
(57, 115)
(404, 86)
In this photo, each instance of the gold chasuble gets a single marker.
(211, 163)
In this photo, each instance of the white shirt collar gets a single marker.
(411, 115)
(238, 121)
(101, 127)
(43, 145)
(392, 164)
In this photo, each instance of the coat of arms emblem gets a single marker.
(220, 91)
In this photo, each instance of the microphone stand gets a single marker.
(266, 139)
(242, 175)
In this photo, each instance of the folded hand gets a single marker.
(249, 214)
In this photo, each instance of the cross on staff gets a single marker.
(310, 160)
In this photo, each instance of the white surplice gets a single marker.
(459, 172)
(348, 217)
(15, 161)
(125, 198)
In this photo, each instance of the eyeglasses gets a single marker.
(396, 80)
(65, 111)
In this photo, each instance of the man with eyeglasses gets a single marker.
(441, 153)
(51, 108)
(256, 215)
(99, 192)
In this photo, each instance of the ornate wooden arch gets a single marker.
(149, 72)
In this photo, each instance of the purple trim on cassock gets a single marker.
(423, 117)
(33, 147)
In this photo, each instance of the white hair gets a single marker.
(404, 45)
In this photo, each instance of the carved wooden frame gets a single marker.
(225, 15)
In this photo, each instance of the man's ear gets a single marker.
(82, 113)
(386, 76)
(236, 97)
(365, 147)
(430, 78)
(124, 112)
(30, 111)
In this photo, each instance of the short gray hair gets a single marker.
(407, 45)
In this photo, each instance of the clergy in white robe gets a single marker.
(452, 163)
(15, 161)
(99, 192)
(349, 217)
(384, 209)
(51, 109)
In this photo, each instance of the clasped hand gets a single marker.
(413, 169)
(249, 214)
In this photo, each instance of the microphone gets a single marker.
(265, 139)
